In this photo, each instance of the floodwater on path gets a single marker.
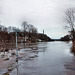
(46, 58)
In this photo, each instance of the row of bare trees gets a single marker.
(29, 28)
(26, 30)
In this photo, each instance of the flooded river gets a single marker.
(46, 58)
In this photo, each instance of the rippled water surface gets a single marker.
(47, 58)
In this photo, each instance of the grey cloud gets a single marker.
(44, 14)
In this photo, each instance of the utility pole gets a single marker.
(16, 47)
(17, 52)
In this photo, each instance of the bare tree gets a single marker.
(13, 29)
(32, 32)
(70, 19)
(4, 29)
(1, 28)
(24, 28)
(32, 29)
(10, 29)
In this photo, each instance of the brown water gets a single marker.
(49, 58)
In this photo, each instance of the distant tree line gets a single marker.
(65, 38)
(27, 32)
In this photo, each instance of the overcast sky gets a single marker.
(43, 14)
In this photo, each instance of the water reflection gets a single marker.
(50, 59)
(30, 53)
(43, 58)
(73, 49)
(70, 65)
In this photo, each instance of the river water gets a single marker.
(46, 58)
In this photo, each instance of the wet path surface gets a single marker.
(49, 58)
